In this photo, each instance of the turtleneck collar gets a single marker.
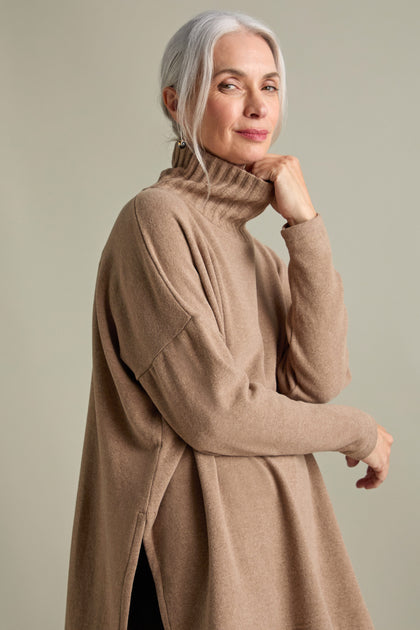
(236, 196)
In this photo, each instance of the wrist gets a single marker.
(307, 216)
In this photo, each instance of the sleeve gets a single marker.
(169, 338)
(313, 355)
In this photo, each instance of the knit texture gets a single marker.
(214, 363)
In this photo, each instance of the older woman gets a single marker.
(200, 503)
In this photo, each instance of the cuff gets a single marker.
(364, 446)
(311, 234)
(287, 225)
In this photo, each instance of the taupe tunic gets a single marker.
(213, 362)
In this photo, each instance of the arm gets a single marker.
(215, 408)
(169, 338)
(313, 355)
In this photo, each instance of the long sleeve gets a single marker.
(215, 408)
(169, 338)
(313, 355)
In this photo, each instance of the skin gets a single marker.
(240, 119)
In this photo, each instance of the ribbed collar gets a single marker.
(236, 196)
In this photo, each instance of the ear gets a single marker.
(170, 98)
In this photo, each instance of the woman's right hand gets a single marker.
(377, 461)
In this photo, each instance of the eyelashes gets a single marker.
(226, 86)
(230, 87)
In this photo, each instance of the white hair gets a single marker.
(187, 66)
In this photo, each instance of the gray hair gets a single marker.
(187, 66)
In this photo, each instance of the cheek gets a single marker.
(275, 111)
(219, 115)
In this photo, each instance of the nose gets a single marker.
(255, 106)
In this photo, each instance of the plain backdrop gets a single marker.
(82, 133)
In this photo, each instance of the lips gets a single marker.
(257, 135)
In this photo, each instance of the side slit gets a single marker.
(144, 606)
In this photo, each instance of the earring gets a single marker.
(181, 142)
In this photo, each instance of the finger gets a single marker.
(351, 462)
(264, 172)
(258, 171)
(370, 474)
(369, 484)
(372, 479)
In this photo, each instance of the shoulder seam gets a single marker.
(149, 367)
(153, 261)
(177, 332)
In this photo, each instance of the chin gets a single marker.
(247, 155)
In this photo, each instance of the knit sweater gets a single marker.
(214, 363)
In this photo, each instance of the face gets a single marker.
(243, 105)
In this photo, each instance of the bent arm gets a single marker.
(214, 407)
(150, 292)
(313, 355)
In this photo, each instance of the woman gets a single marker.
(212, 364)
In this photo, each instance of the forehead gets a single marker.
(243, 50)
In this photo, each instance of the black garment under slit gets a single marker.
(144, 608)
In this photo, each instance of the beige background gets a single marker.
(81, 133)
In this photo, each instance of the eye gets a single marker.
(229, 87)
(270, 88)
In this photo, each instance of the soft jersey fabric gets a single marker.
(213, 362)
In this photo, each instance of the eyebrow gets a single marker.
(239, 73)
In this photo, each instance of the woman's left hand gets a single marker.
(292, 199)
